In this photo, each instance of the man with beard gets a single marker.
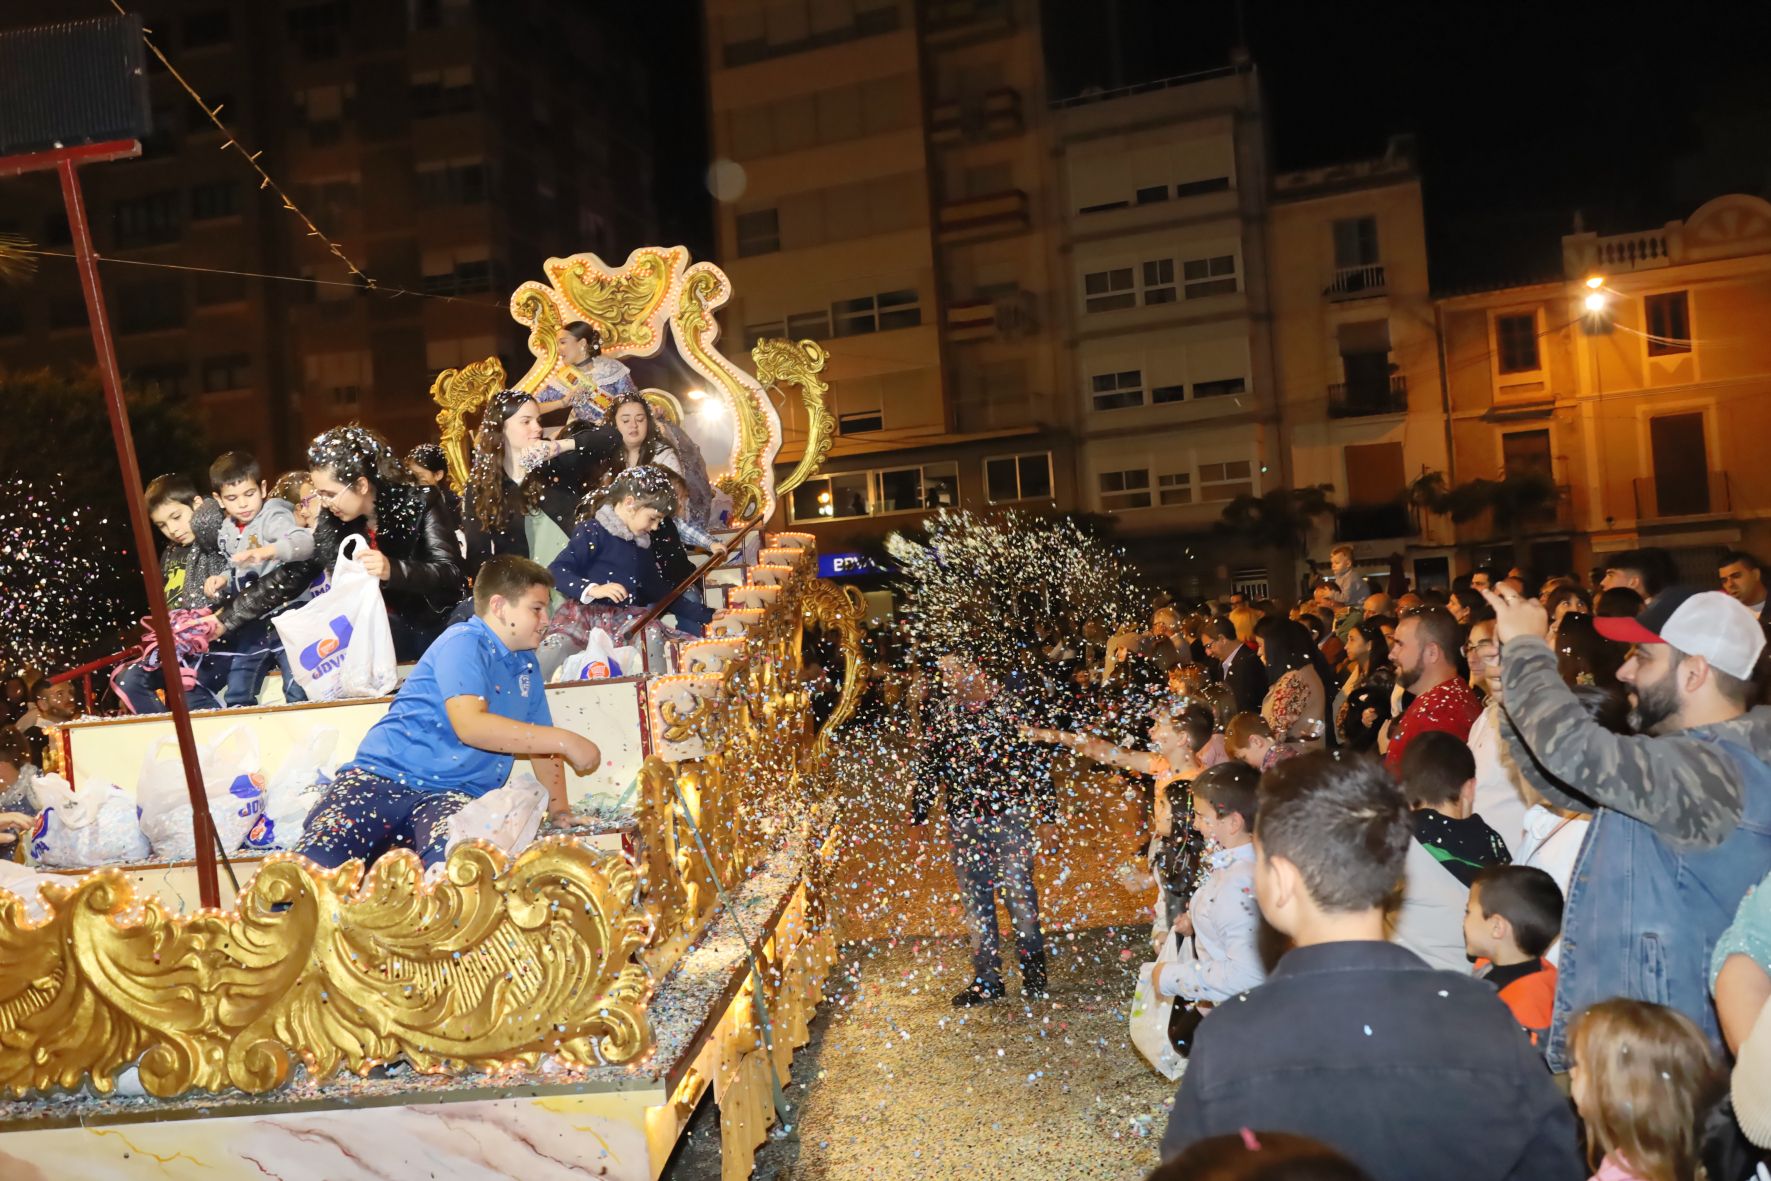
(1425, 655)
(1681, 811)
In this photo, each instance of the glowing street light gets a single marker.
(1596, 302)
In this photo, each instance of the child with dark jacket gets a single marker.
(610, 572)
(192, 558)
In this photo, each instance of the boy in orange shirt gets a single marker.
(1514, 915)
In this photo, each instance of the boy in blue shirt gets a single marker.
(473, 703)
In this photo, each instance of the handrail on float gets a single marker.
(638, 626)
(84, 672)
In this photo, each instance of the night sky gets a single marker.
(1632, 113)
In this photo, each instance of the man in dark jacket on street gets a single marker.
(1354, 1041)
(1241, 668)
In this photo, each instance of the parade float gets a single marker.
(555, 1013)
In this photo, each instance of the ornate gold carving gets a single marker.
(757, 431)
(840, 609)
(779, 362)
(627, 307)
(533, 304)
(498, 962)
(461, 392)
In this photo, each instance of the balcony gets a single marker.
(1658, 500)
(1374, 522)
(957, 22)
(1633, 252)
(1356, 282)
(1009, 317)
(994, 115)
(1362, 399)
(994, 215)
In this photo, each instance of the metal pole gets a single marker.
(208, 886)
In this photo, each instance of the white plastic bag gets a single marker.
(508, 816)
(76, 830)
(1149, 1017)
(298, 785)
(339, 644)
(232, 780)
(600, 660)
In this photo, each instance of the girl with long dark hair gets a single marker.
(1363, 705)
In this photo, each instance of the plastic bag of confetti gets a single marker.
(76, 830)
(298, 785)
(339, 644)
(600, 660)
(1149, 1017)
(508, 816)
(232, 781)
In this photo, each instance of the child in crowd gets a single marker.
(18, 798)
(260, 534)
(191, 559)
(1177, 732)
(1514, 914)
(1219, 952)
(1249, 739)
(1642, 1076)
(1451, 846)
(608, 573)
(297, 489)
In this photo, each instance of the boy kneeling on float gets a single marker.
(472, 704)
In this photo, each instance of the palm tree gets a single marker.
(1517, 501)
(1279, 521)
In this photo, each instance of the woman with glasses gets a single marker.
(523, 490)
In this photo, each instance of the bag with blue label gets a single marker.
(76, 830)
(233, 782)
(297, 786)
(339, 643)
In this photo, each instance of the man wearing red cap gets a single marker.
(1681, 810)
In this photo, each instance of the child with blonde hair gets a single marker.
(1643, 1078)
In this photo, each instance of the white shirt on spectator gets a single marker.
(1552, 843)
(1499, 799)
(1221, 958)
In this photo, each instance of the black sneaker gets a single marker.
(980, 993)
(1033, 985)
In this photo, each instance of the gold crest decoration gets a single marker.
(798, 363)
(460, 393)
(497, 963)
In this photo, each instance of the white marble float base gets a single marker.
(536, 1138)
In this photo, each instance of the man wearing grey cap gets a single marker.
(1681, 810)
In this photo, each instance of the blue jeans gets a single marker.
(136, 685)
(247, 654)
(992, 855)
(362, 816)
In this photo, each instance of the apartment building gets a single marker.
(1357, 357)
(429, 138)
(1164, 190)
(1638, 381)
(883, 191)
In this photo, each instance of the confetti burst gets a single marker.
(57, 604)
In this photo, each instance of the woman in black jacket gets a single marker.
(1368, 688)
(524, 490)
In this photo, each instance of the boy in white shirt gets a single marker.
(1219, 952)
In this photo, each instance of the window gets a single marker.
(759, 232)
(1226, 481)
(1109, 291)
(834, 498)
(202, 29)
(346, 395)
(900, 490)
(219, 289)
(788, 28)
(1174, 488)
(232, 372)
(317, 29)
(803, 325)
(462, 271)
(1018, 477)
(1526, 453)
(1125, 489)
(460, 182)
(171, 379)
(323, 110)
(1669, 323)
(1210, 276)
(875, 313)
(755, 332)
(1159, 281)
(1167, 393)
(860, 423)
(1117, 391)
(1375, 473)
(1152, 194)
(1222, 388)
(1196, 188)
(873, 493)
(219, 199)
(442, 92)
(1515, 340)
(1355, 242)
(150, 307)
(147, 221)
